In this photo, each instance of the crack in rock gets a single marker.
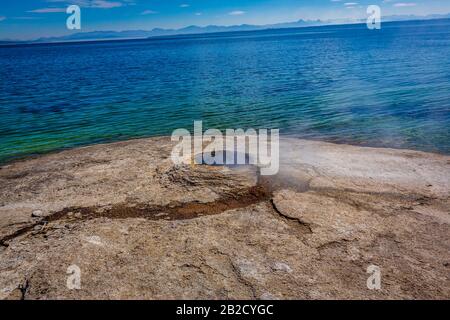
(23, 287)
(295, 222)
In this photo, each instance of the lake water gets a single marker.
(388, 88)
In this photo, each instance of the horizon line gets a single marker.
(37, 41)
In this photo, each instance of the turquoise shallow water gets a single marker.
(388, 88)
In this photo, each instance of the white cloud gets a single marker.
(101, 4)
(105, 4)
(145, 12)
(236, 13)
(48, 10)
(184, 5)
(404, 4)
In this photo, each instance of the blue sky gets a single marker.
(28, 19)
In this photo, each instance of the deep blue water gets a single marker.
(349, 84)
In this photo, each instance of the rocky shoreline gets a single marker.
(139, 227)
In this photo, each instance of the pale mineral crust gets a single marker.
(139, 227)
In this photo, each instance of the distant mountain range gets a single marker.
(158, 32)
